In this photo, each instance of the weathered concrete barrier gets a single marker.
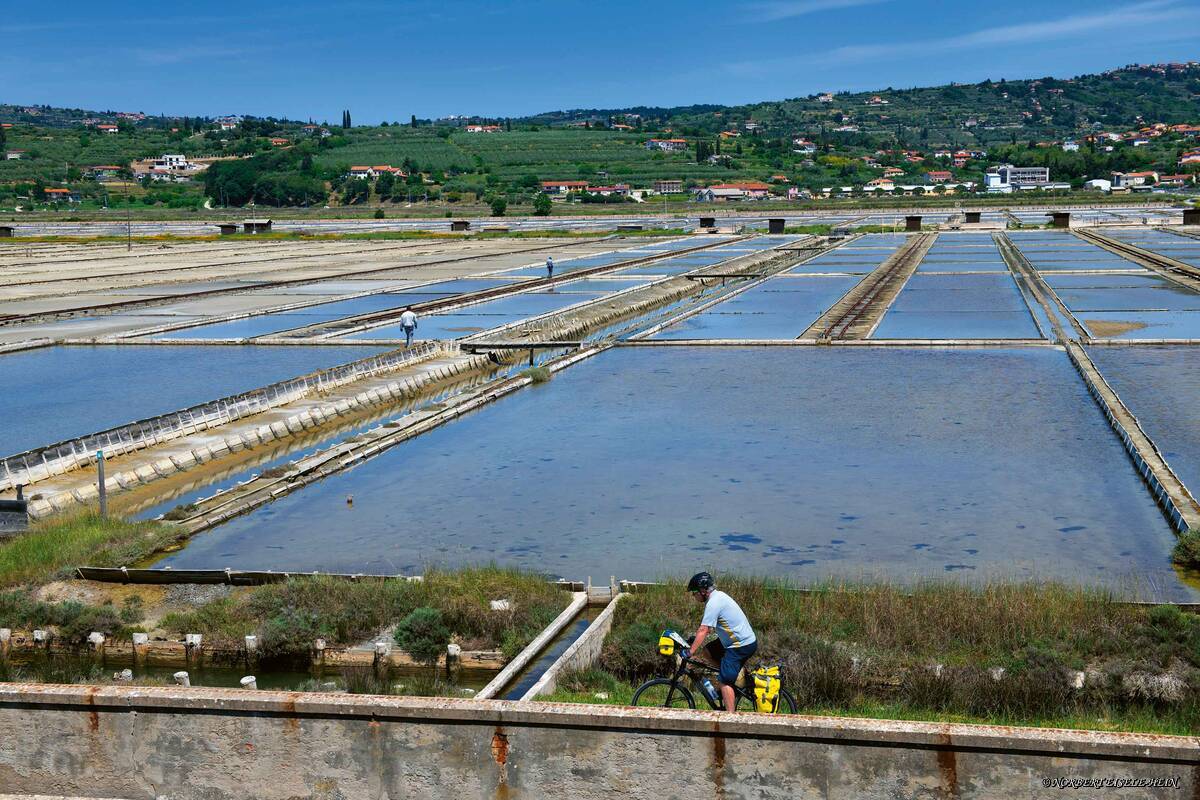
(224, 744)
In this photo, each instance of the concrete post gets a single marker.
(182, 678)
(453, 661)
(5, 642)
(249, 682)
(100, 483)
(251, 648)
(319, 653)
(191, 642)
(96, 640)
(41, 637)
(1191, 216)
(381, 659)
(912, 223)
(141, 643)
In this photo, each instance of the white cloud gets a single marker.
(1124, 19)
(786, 9)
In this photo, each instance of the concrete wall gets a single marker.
(223, 744)
(584, 653)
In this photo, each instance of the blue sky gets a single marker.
(383, 60)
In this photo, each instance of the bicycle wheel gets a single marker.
(653, 693)
(745, 701)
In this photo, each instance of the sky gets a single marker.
(386, 61)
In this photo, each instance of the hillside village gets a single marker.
(1049, 136)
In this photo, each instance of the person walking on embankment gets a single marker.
(408, 321)
(549, 266)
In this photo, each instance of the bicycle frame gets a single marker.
(694, 669)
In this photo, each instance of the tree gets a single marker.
(499, 205)
(423, 635)
(3, 139)
(413, 122)
(542, 205)
(346, 119)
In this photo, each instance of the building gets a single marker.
(618, 189)
(749, 190)
(61, 196)
(563, 187)
(277, 141)
(731, 135)
(14, 155)
(939, 176)
(667, 145)
(960, 158)
(668, 187)
(877, 101)
(715, 194)
(1098, 185)
(1070, 147)
(1190, 157)
(103, 172)
(803, 146)
(1006, 178)
(1128, 180)
(880, 184)
(106, 128)
(484, 129)
(825, 97)
(316, 130)
(1175, 180)
(167, 167)
(892, 172)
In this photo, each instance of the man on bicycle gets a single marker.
(736, 641)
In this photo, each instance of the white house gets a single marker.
(1098, 185)
(667, 145)
(1070, 147)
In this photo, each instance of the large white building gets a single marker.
(1005, 179)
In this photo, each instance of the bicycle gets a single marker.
(672, 693)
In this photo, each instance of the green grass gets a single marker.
(537, 374)
(53, 548)
(288, 617)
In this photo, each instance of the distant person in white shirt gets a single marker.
(408, 321)
(549, 266)
(736, 640)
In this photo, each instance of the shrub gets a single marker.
(1187, 550)
(423, 635)
(537, 374)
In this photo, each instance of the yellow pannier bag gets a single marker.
(766, 689)
(666, 645)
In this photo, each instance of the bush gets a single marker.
(537, 374)
(1187, 550)
(423, 635)
(499, 206)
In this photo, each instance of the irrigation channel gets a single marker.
(979, 404)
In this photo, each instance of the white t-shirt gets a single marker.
(408, 320)
(725, 616)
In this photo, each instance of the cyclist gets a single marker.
(723, 615)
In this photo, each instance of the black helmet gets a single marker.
(700, 581)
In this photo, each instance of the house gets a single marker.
(753, 190)
(803, 146)
(106, 128)
(869, 161)
(961, 158)
(667, 145)
(484, 129)
(779, 179)
(61, 196)
(168, 167)
(942, 154)
(825, 97)
(227, 123)
(315, 130)
(876, 100)
(892, 172)
(1070, 147)
(846, 129)
(1098, 185)
(730, 135)
(668, 187)
(1128, 180)
(939, 176)
(102, 172)
(714, 194)
(563, 187)
(1175, 180)
(363, 172)
(880, 184)
(1190, 157)
(622, 127)
(14, 155)
(277, 141)
(618, 189)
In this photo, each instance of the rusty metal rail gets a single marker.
(854, 316)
